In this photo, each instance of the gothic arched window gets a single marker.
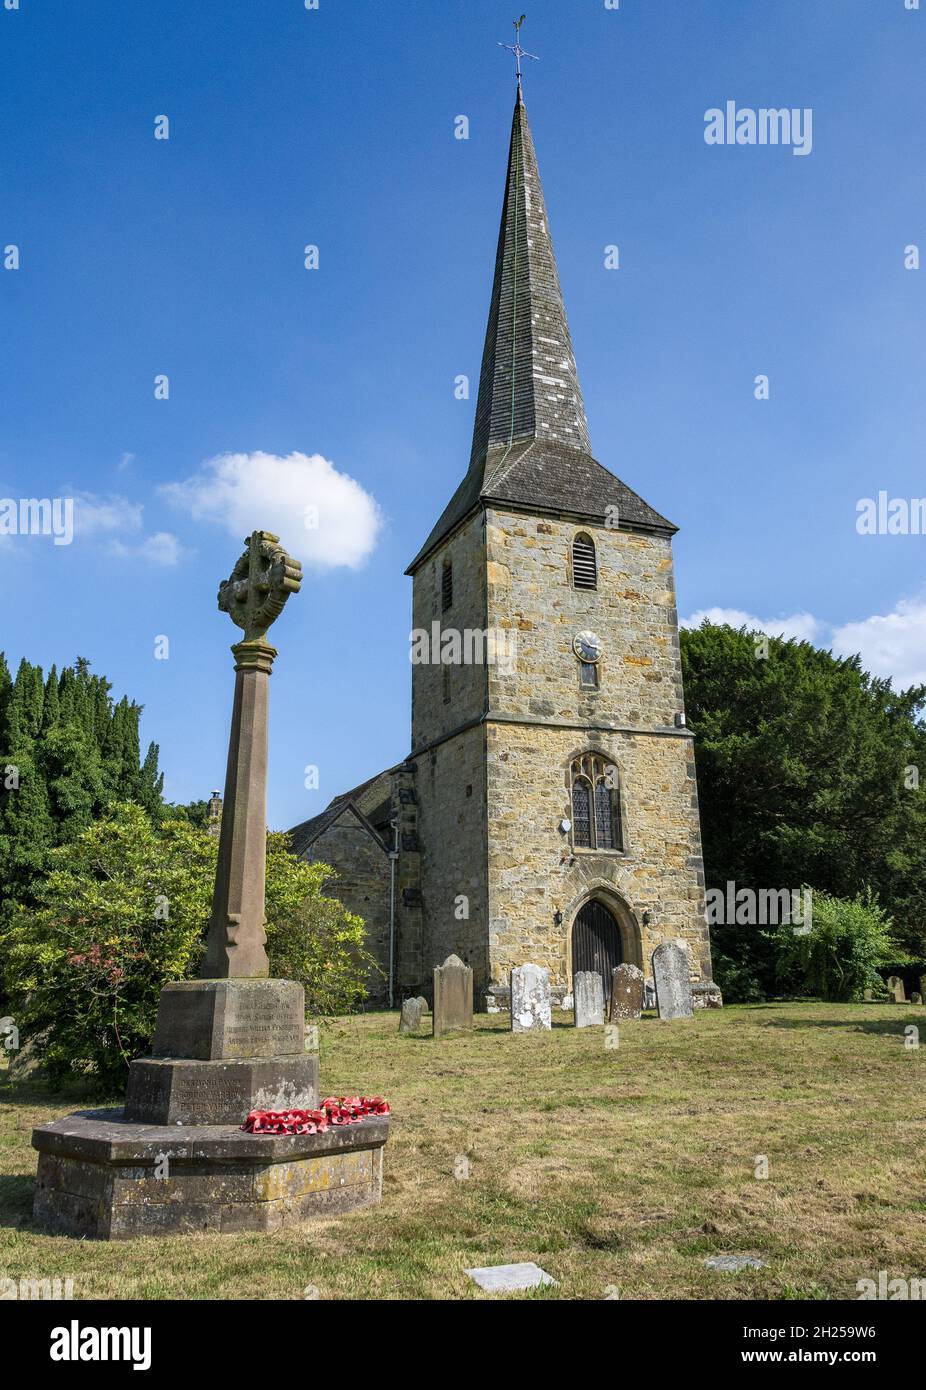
(596, 803)
(581, 813)
(584, 562)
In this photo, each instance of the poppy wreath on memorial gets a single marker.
(336, 1110)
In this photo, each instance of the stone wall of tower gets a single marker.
(450, 781)
(446, 695)
(529, 591)
(540, 717)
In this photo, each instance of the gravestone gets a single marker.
(530, 999)
(649, 994)
(176, 1158)
(732, 1264)
(410, 1020)
(923, 986)
(916, 997)
(671, 976)
(453, 997)
(423, 1002)
(509, 1278)
(626, 992)
(896, 989)
(588, 989)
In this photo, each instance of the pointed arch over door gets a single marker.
(596, 943)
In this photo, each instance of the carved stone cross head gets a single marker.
(259, 585)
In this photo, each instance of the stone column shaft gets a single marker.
(235, 946)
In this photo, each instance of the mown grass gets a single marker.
(616, 1170)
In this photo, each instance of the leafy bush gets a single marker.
(124, 909)
(313, 938)
(838, 958)
(737, 981)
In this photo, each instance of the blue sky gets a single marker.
(335, 127)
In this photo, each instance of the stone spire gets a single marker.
(531, 449)
(528, 385)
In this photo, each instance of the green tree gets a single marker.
(808, 772)
(124, 908)
(66, 754)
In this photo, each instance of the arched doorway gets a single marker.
(596, 943)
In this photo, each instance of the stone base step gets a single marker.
(103, 1177)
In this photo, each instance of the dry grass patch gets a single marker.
(609, 1168)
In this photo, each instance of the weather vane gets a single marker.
(516, 48)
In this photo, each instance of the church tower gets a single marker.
(554, 775)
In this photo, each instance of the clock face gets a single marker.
(587, 646)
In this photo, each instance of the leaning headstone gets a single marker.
(671, 976)
(916, 997)
(588, 989)
(627, 991)
(530, 999)
(410, 1020)
(896, 989)
(453, 997)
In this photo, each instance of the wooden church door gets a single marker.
(596, 944)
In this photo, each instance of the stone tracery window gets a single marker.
(596, 807)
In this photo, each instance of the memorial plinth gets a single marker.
(101, 1176)
(222, 1048)
(176, 1158)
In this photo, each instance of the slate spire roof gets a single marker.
(528, 386)
(530, 439)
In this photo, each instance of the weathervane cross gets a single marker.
(516, 48)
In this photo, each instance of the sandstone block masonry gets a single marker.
(494, 785)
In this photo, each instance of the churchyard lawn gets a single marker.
(618, 1171)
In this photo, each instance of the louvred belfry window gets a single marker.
(584, 563)
(446, 588)
(596, 810)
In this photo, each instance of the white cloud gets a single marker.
(802, 626)
(94, 515)
(889, 644)
(324, 517)
(161, 548)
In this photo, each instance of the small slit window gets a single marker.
(584, 563)
(446, 588)
(588, 675)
